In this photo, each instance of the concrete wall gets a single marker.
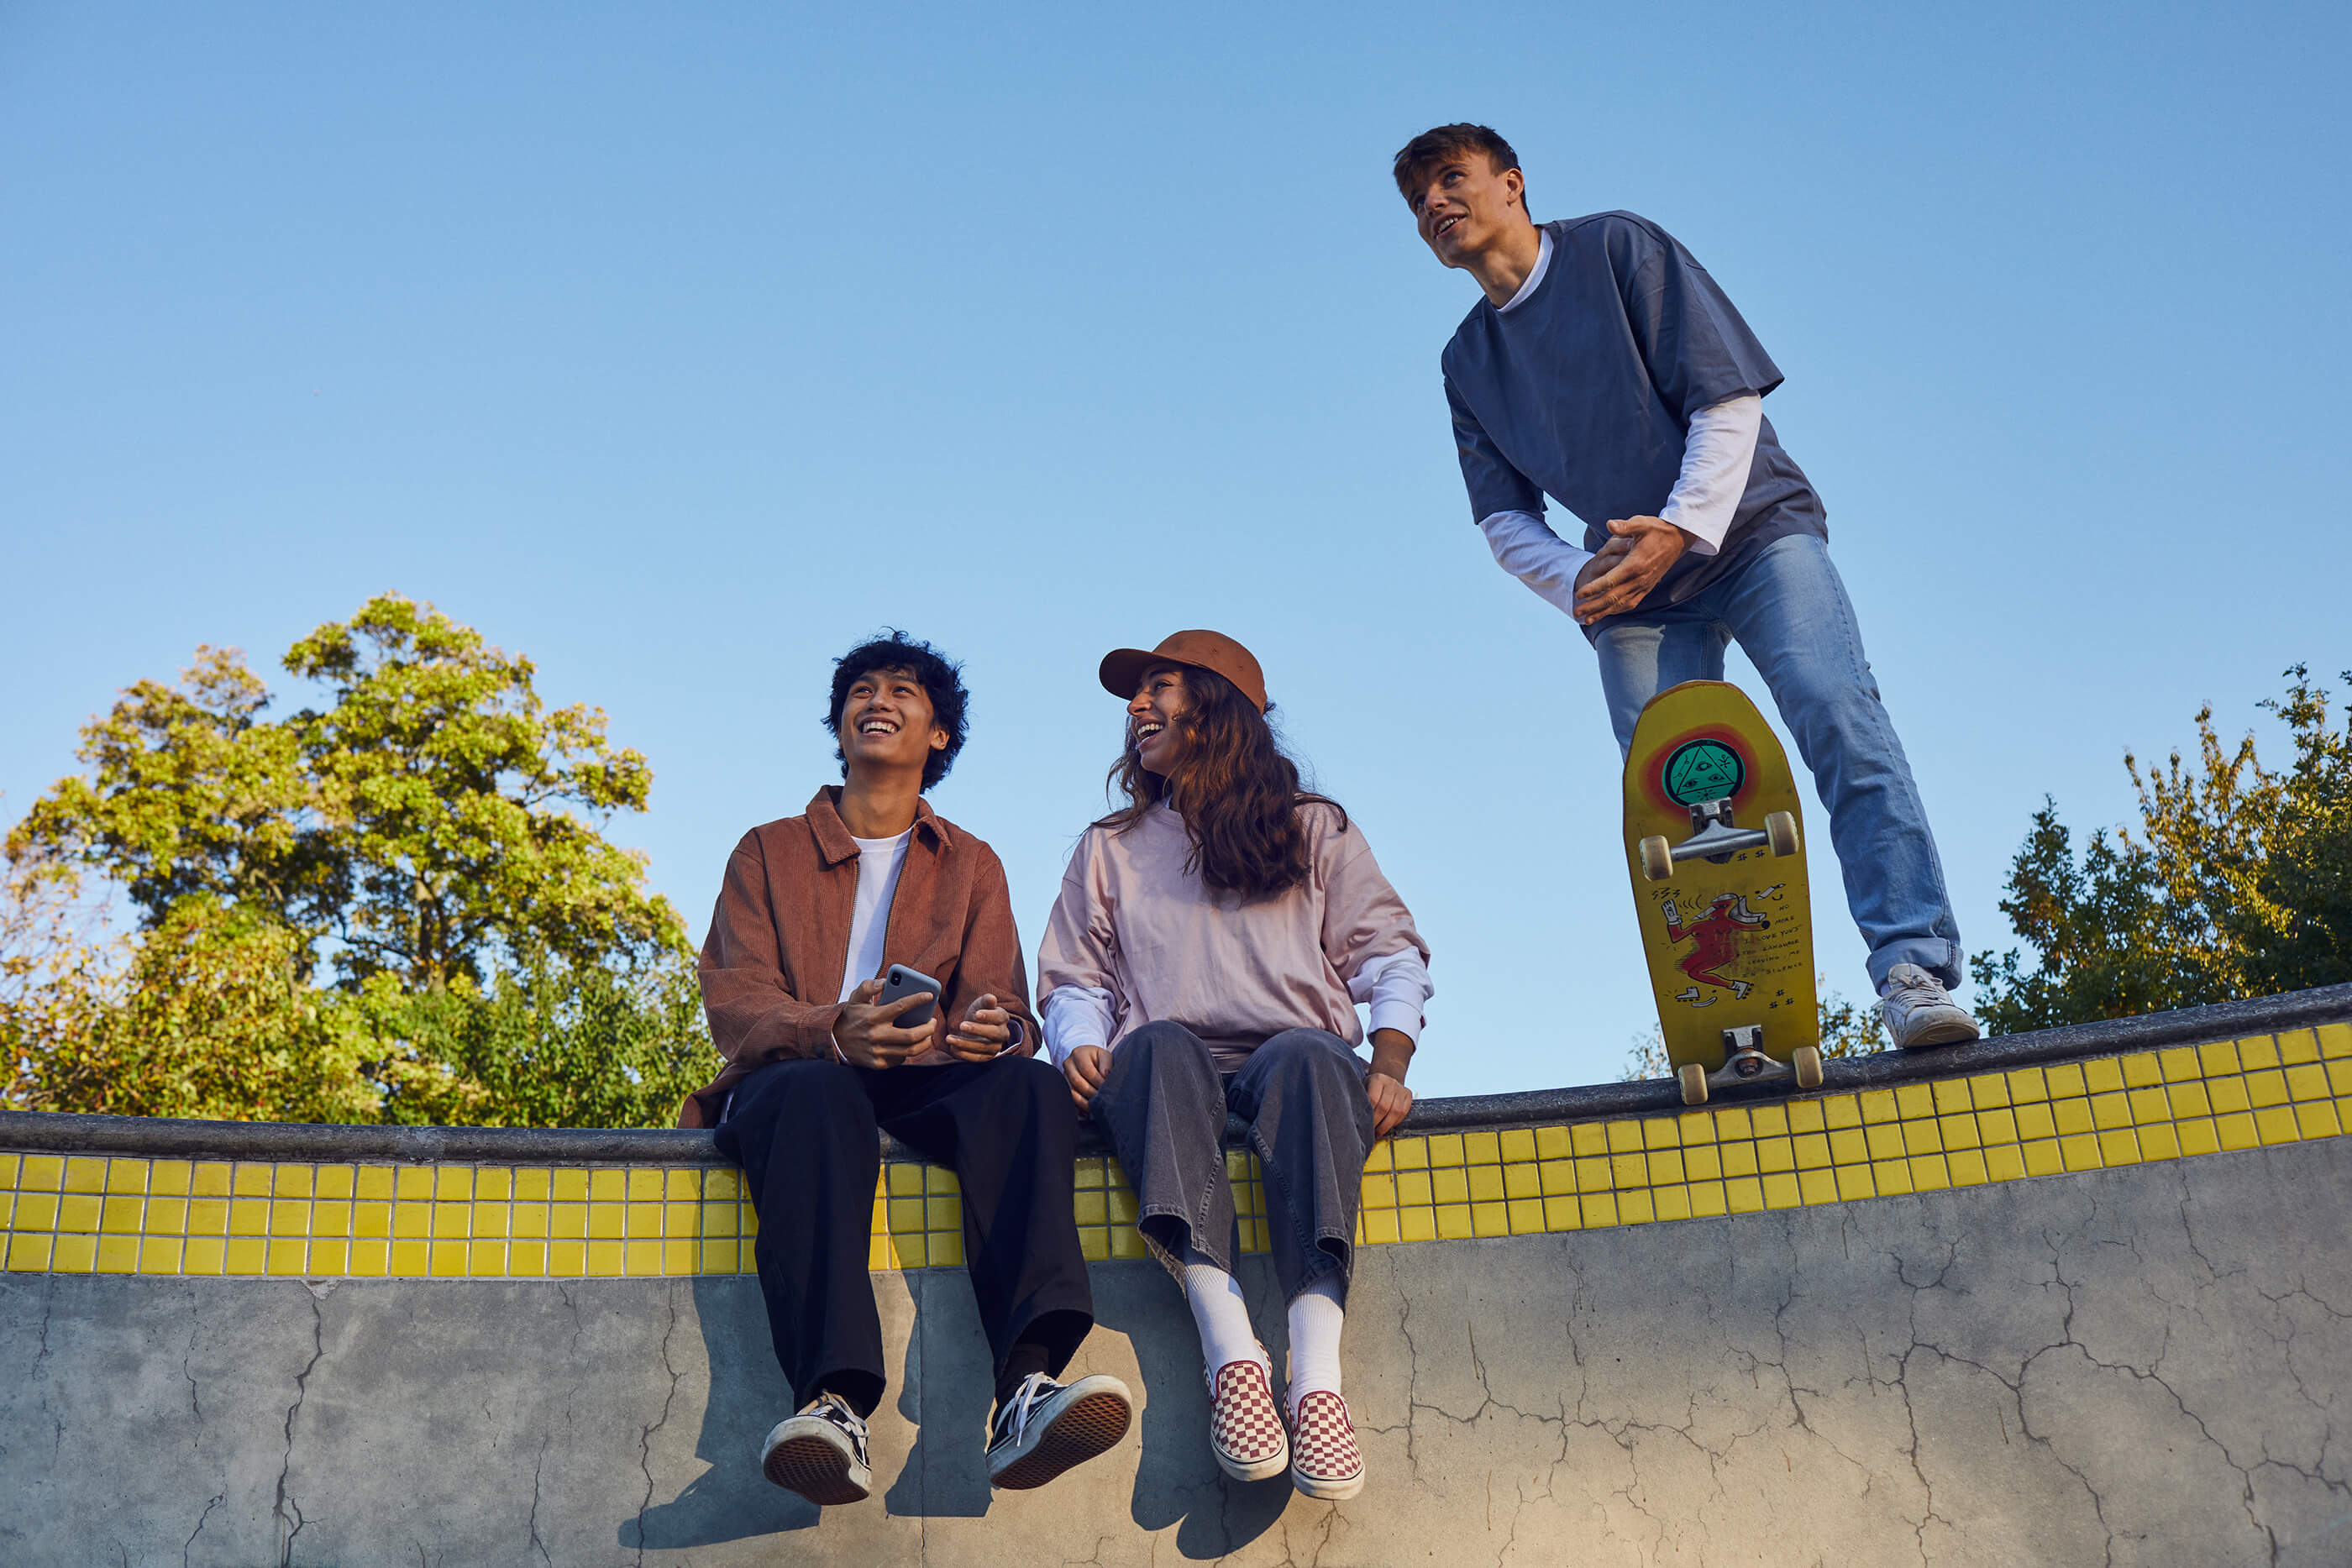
(2137, 1365)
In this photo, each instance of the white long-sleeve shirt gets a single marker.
(1719, 450)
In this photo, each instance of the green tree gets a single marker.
(430, 820)
(190, 792)
(2237, 883)
(210, 1017)
(2294, 928)
(547, 1044)
(429, 835)
(52, 952)
(454, 802)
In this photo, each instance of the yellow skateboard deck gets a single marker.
(1715, 842)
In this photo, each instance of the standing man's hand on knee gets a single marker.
(984, 1033)
(1086, 1068)
(869, 1036)
(1384, 1084)
(1628, 565)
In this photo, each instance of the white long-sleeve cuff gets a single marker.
(1528, 549)
(1397, 987)
(1076, 1016)
(1718, 451)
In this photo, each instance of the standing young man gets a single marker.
(1605, 368)
(813, 910)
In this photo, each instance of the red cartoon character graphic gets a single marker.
(1716, 937)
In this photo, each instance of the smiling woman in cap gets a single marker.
(1211, 944)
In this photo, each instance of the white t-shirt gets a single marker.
(879, 860)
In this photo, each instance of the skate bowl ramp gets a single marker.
(2076, 1297)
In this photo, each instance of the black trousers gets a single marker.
(805, 1133)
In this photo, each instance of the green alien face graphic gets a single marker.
(1703, 770)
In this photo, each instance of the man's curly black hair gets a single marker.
(942, 681)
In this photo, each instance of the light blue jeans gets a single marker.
(1789, 611)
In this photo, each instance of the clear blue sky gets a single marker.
(680, 345)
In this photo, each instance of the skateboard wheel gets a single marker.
(1807, 1060)
(1657, 863)
(1780, 828)
(1693, 1078)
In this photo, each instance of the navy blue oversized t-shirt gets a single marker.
(1584, 392)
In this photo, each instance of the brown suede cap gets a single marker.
(1122, 668)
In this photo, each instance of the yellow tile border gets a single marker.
(123, 1215)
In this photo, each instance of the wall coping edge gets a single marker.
(54, 1132)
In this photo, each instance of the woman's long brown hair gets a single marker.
(1237, 791)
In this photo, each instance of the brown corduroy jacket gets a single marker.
(779, 937)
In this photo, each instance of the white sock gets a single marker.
(1317, 1315)
(1221, 1314)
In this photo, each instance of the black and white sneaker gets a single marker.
(820, 1453)
(1045, 1427)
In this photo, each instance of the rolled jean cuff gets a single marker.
(1938, 958)
(1331, 1254)
(1224, 1252)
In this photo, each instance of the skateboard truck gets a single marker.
(1744, 1058)
(1744, 1062)
(1714, 838)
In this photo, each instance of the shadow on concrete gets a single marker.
(945, 1395)
(730, 1500)
(938, 1409)
(1177, 1481)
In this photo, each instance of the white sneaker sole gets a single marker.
(1263, 1470)
(1326, 1488)
(1942, 1026)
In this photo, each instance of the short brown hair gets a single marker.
(1426, 152)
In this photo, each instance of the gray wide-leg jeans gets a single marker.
(1302, 1092)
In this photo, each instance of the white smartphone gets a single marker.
(900, 981)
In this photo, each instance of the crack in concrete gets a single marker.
(56, 1417)
(539, 1465)
(189, 1545)
(187, 1356)
(645, 1437)
(283, 1503)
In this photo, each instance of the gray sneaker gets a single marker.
(820, 1453)
(1919, 1011)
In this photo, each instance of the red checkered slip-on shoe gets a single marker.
(1324, 1461)
(1244, 1428)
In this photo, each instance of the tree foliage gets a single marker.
(189, 792)
(450, 794)
(210, 1018)
(433, 820)
(547, 1044)
(427, 839)
(2237, 882)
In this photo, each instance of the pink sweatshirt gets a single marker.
(1133, 922)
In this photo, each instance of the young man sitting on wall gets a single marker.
(813, 909)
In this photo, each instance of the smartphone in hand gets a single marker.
(900, 981)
